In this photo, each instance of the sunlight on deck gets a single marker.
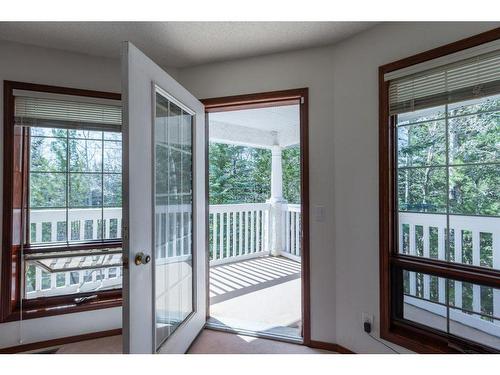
(261, 294)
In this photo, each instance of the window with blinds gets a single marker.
(74, 193)
(464, 80)
(445, 123)
(49, 112)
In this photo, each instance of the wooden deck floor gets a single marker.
(259, 295)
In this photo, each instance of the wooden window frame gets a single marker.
(14, 196)
(414, 336)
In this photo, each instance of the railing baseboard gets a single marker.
(218, 262)
(290, 256)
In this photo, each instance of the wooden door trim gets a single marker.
(272, 99)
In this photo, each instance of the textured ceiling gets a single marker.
(181, 44)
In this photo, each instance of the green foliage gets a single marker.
(468, 186)
(291, 174)
(78, 168)
(240, 174)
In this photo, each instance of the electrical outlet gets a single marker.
(367, 318)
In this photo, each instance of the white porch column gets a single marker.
(276, 201)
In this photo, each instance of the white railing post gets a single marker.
(413, 251)
(426, 245)
(459, 224)
(458, 258)
(476, 289)
(238, 231)
(496, 265)
(277, 202)
(442, 256)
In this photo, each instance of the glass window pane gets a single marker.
(112, 156)
(85, 155)
(47, 190)
(48, 132)
(112, 136)
(84, 223)
(472, 240)
(475, 312)
(41, 283)
(85, 190)
(61, 231)
(490, 103)
(60, 279)
(475, 138)
(113, 219)
(30, 278)
(48, 154)
(418, 305)
(112, 190)
(422, 115)
(422, 189)
(422, 145)
(475, 190)
(85, 134)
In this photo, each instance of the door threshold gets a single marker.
(259, 334)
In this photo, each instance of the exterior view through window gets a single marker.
(255, 220)
(449, 209)
(72, 160)
(173, 212)
(444, 242)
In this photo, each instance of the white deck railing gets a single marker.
(86, 220)
(238, 231)
(291, 232)
(47, 225)
(474, 227)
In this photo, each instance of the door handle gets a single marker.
(141, 258)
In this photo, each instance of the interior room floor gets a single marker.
(216, 342)
(208, 342)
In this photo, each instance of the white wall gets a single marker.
(52, 67)
(343, 123)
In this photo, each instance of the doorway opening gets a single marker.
(257, 224)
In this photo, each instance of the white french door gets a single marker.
(164, 293)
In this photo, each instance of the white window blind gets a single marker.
(50, 112)
(467, 79)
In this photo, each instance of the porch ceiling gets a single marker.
(258, 127)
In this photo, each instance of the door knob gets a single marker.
(141, 258)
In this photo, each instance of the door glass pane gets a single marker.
(173, 220)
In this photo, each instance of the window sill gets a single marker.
(427, 341)
(51, 306)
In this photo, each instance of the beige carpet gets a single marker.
(208, 342)
(105, 345)
(216, 342)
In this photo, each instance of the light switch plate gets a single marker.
(319, 213)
